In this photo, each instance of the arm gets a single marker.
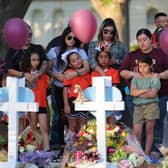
(55, 75)
(65, 98)
(130, 74)
(137, 92)
(163, 75)
(82, 71)
(151, 93)
(12, 72)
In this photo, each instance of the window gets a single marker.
(58, 19)
(150, 15)
(37, 22)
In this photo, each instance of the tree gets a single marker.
(116, 9)
(10, 9)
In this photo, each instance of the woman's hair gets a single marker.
(144, 31)
(108, 22)
(63, 45)
(145, 59)
(26, 63)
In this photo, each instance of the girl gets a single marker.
(103, 59)
(145, 100)
(75, 118)
(31, 64)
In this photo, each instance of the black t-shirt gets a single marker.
(14, 57)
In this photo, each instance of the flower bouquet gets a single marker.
(29, 140)
(81, 149)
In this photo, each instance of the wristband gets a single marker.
(22, 75)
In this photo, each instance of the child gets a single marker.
(146, 109)
(103, 59)
(32, 64)
(75, 118)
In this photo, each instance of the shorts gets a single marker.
(42, 110)
(75, 114)
(145, 112)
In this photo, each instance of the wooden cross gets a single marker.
(13, 106)
(101, 106)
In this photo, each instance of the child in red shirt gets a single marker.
(103, 59)
(32, 64)
(75, 118)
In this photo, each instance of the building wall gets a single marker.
(138, 15)
(49, 18)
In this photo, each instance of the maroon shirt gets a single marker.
(160, 64)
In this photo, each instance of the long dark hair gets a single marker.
(108, 22)
(67, 30)
(26, 64)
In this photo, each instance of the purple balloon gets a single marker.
(163, 39)
(15, 32)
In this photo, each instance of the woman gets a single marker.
(57, 64)
(129, 69)
(108, 36)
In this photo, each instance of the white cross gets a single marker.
(100, 106)
(13, 106)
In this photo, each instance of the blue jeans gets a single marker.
(54, 127)
(129, 109)
(158, 131)
(1, 114)
(57, 128)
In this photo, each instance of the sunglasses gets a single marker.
(71, 38)
(106, 31)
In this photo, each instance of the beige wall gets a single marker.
(40, 15)
(138, 17)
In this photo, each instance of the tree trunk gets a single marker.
(10, 9)
(118, 10)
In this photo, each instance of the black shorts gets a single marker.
(75, 114)
(42, 110)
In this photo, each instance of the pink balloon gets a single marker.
(83, 24)
(163, 39)
(15, 32)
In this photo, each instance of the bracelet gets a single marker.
(78, 73)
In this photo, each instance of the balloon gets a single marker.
(83, 24)
(15, 32)
(163, 39)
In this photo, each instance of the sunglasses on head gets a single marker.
(70, 38)
(106, 31)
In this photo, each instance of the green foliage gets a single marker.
(107, 2)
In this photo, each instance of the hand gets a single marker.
(29, 77)
(136, 75)
(155, 75)
(67, 109)
(69, 75)
(113, 61)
